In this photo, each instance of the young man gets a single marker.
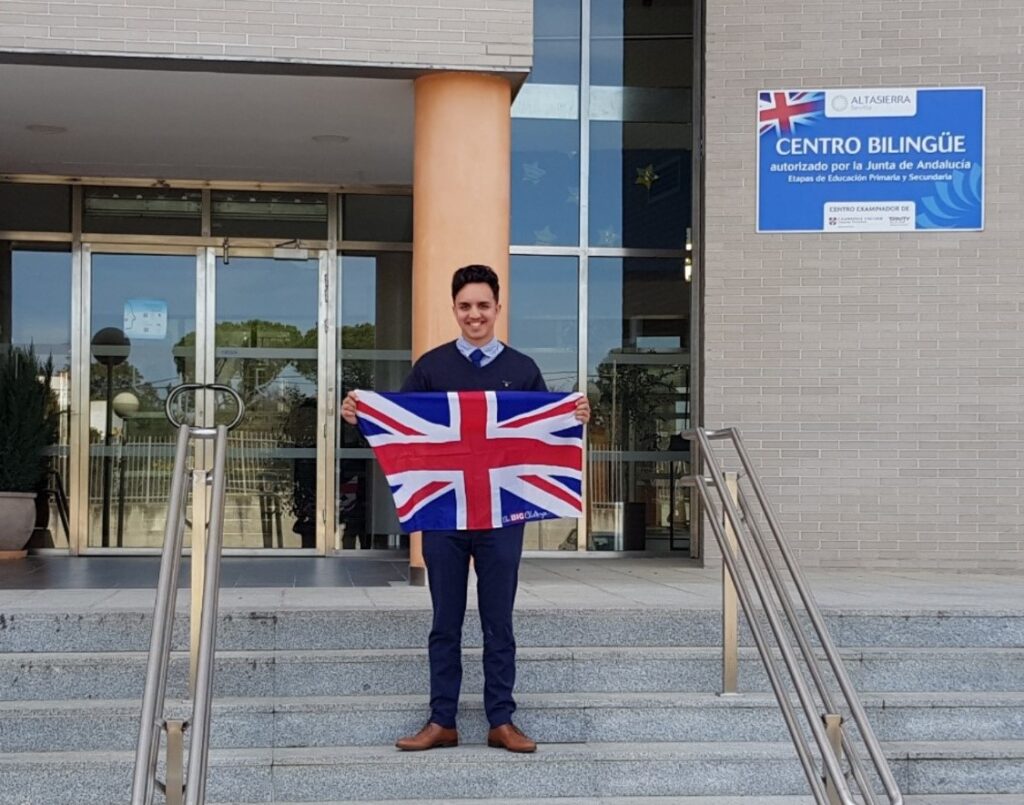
(476, 361)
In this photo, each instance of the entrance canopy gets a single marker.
(185, 124)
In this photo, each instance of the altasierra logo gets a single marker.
(871, 103)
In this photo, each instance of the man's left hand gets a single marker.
(583, 410)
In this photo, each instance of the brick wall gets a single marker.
(878, 378)
(477, 34)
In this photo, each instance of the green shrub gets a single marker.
(28, 419)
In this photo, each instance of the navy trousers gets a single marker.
(496, 555)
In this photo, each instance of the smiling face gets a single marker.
(476, 311)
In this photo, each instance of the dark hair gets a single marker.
(474, 273)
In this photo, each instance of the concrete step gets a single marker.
(924, 799)
(557, 770)
(249, 629)
(550, 718)
(596, 801)
(115, 675)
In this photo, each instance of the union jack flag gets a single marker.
(476, 459)
(781, 112)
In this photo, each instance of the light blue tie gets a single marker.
(477, 357)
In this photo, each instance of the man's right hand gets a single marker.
(348, 408)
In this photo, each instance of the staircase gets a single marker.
(310, 700)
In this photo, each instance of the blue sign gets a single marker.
(870, 160)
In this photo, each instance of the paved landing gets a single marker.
(49, 583)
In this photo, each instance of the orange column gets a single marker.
(461, 165)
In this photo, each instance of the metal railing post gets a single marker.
(175, 785)
(206, 580)
(812, 664)
(195, 791)
(730, 605)
(826, 724)
(197, 567)
(810, 605)
(148, 748)
(834, 731)
(781, 696)
(788, 658)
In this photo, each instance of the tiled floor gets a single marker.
(117, 572)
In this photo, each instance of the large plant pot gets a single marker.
(17, 519)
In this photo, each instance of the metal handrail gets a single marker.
(737, 513)
(152, 720)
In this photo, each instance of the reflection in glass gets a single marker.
(634, 43)
(35, 310)
(545, 182)
(150, 300)
(35, 207)
(266, 349)
(282, 214)
(543, 311)
(640, 129)
(375, 333)
(638, 381)
(355, 511)
(556, 42)
(142, 211)
(379, 218)
(640, 184)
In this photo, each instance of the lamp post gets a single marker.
(125, 405)
(110, 347)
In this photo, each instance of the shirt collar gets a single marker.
(490, 349)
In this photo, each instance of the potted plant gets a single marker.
(28, 424)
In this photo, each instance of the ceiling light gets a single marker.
(41, 128)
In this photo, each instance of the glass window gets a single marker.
(543, 311)
(35, 207)
(141, 211)
(35, 301)
(640, 184)
(377, 218)
(634, 43)
(35, 310)
(545, 182)
(376, 320)
(640, 130)
(556, 42)
(543, 322)
(241, 213)
(545, 133)
(638, 380)
(375, 350)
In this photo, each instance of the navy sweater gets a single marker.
(444, 368)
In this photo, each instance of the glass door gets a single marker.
(141, 343)
(265, 344)
(246, 320)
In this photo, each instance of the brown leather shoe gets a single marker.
(432, 736)
(510, 737)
